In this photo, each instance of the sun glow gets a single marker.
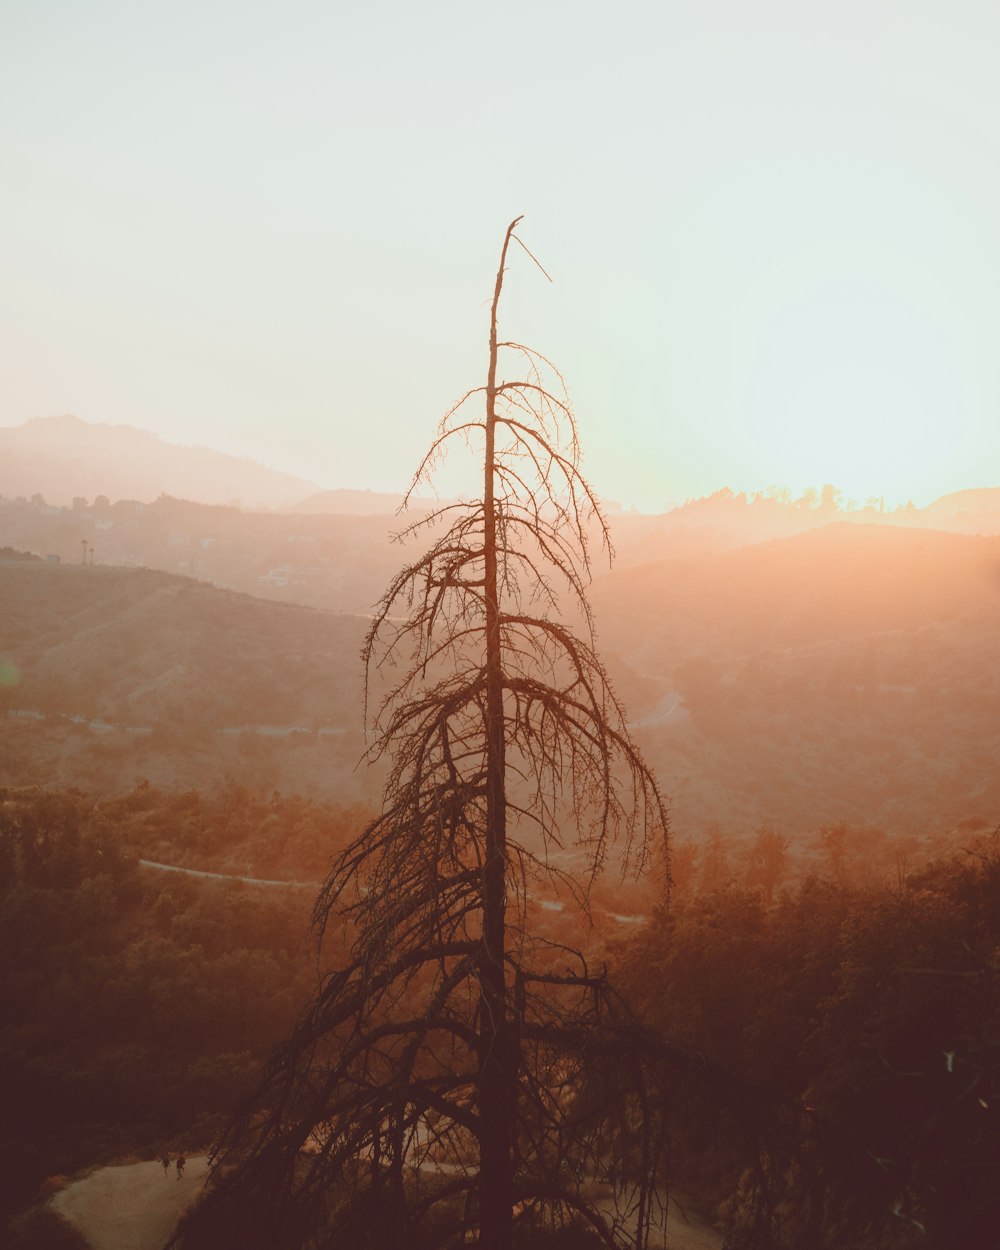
(865, 429)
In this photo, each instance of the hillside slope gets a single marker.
(136, 647)
(836, 582)
(114, 676)
(852, 673)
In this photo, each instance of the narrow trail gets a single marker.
(135, 1207)
(226, 876)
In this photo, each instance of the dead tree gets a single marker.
(444, 1081)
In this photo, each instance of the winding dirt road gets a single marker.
(134, 1207)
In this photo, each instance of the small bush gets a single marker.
(41, 1228)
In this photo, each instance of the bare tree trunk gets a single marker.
(497, 1057)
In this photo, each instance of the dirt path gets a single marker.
(130, 1208)
(137, 1208)
(681, 1230)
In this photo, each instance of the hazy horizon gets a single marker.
(882, 500)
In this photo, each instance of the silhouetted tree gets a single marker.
(457, 1068)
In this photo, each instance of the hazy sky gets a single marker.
(774, 229)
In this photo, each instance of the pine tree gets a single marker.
(460, 1070)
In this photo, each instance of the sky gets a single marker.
(773, 228)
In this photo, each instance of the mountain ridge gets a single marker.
(47, 455)
(64, 457)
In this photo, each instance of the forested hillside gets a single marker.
(137, 1005)
(833, 1056)
(838, 1054)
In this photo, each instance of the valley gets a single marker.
(845, 674)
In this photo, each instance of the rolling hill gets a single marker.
(136, 647)
(112, 676)
(848, 674)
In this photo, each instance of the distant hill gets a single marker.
(65, 457)
(358, 503)
(843, 580)
(728, 519)
(338, 562)
(970, 511)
